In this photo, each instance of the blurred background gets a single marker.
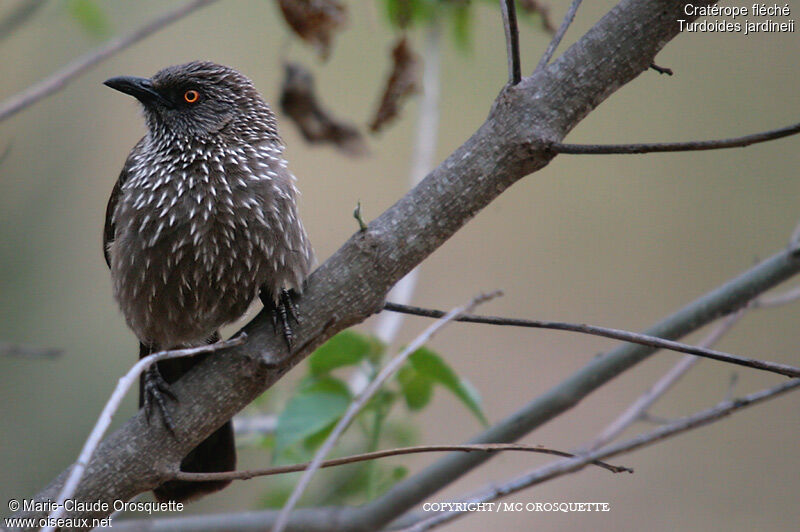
(619, 241)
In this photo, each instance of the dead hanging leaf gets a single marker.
(315, 21)
(403, 82)
(543, 10)
(299, 102)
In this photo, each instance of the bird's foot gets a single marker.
(283, 313)
(156, 393)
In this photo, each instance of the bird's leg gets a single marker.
(283, 312)
(156, 392)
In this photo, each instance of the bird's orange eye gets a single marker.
(191, 96)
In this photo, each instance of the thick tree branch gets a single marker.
(695, 145)
(426, 136)
(640, 407)
(573, 465)
(124, 384)
(351, 284)
(60, 79)
(727, 298)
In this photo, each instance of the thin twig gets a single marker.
(615, 334)
(657, 147)
(794, 240)
(363, 457)
(640, 407)
(571, 465)
(261, 425)
(27, 351)
(509, 10)
(416, 488)
(103, 422)
(62, 77)
(661, 70)
(777, 300)
(551, 48)
(5, 153)
(361, 400)
(19, 16)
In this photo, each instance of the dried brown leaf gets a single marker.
(299, 102)
(536, 6)
(403, 82)
(315, 21)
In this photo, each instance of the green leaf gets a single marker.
(276, 497)
(408, 13)
(313, 442)
(461, 22)
(417, 389)
(400, 433)
(347, 348)
(381, 402)
(90, 16)
(315, 406)
(431, 365)
(389, 478)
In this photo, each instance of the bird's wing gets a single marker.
(109, 232)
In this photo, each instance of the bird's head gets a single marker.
(200, 99)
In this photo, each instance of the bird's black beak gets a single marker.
(140, 88)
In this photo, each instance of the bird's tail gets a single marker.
(214, 454)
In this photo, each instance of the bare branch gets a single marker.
(111, 407)
(509, 10)
(19, 16)
(255, 425)
(5, 152)
(420, 486)
(572, 465)
(725, 299)
(616, 334)
(27, 351)
(777, 300)
(794, 241)
(61, 78)
(363, 398)
(661, 70)
(363, 457)
(642, 405)
(551, 48)
(659, 147)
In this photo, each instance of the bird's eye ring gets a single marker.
(191, 96)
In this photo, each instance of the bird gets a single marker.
(202, 220)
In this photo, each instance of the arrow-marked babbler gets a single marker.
(202, 219)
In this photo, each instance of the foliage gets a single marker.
(458, 15)
(322, 398)
(90, 16)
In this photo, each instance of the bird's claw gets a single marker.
(283, 312)
(156, 392)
